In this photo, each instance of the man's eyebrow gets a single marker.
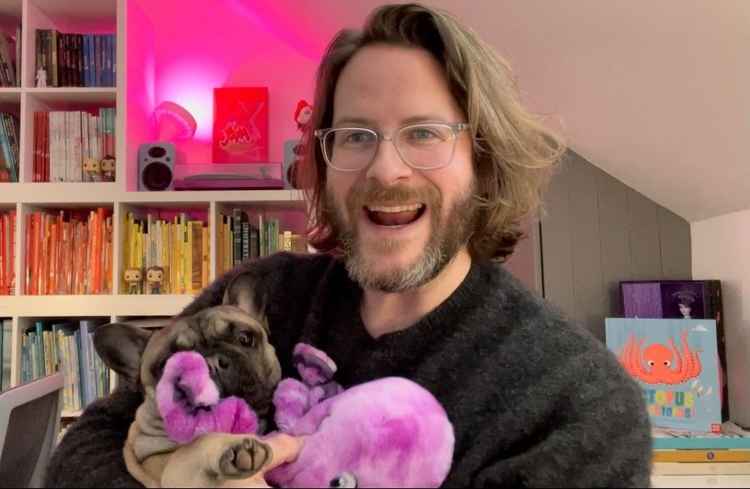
(365, 122)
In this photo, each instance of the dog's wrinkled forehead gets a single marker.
(200, 330)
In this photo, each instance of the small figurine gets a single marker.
(302, 116)
(93, 170)
(41, 77)
(108, 169)
(154, 279)
(134, 278)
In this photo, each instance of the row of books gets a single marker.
(6, 337)
(240, 239)
(10, 56)
(730, 444)
(75, 60)
(7, 252)
(8, 147)
(66, 143)
(165, 256)
(69, 252)
(48, 347)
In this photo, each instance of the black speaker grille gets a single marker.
(157, 176)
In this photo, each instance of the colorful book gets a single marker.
(676, 362)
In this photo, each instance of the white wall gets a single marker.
(721, 250)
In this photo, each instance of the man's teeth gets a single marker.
(394, 209)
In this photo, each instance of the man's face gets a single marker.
(400, 226)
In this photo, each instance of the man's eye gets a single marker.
(356, 138)
(246, 339)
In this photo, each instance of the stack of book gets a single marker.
(69, 252)
(695, 453)
(75, 60)
(10, 55)
(177, 250)
(240, 239)
(6, 337)
(48, 347)
(65, 140)
(8, 147)
(7, 252)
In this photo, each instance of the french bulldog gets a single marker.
(233, 339)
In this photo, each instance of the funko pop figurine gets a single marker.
(133, 277)
(302, 116)
(93, 170)
(154, 279)
(41, 77)
(108, 169)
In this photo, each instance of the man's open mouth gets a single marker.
(395, 215)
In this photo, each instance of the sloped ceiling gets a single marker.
(655, 93)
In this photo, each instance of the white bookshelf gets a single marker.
(27, 196)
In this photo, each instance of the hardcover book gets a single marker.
(686, 299)
(240, 132)
(676, 362)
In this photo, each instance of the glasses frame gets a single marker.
(455, 127)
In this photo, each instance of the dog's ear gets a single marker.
(121, 346)
(243, 293)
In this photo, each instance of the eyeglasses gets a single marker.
(424, 146)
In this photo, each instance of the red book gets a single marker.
(240, 132)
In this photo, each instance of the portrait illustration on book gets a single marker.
(676, 363)
(240, 133)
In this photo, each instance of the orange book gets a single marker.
(27, 245)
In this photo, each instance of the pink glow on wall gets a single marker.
(271, 43)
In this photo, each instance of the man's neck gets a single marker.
(384, 312)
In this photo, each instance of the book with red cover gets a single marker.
(240, 132)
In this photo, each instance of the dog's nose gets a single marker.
(217, 363)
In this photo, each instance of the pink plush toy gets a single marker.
(189, 403)
(385, 433)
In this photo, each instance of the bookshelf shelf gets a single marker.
(92, 305)
(74, 95)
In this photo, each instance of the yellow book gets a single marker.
(695, 456)
(220, 246)
(187, 256)
(206, 258)
(165, 249)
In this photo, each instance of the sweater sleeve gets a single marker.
(598, 434)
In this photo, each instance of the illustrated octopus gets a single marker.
(661, 364)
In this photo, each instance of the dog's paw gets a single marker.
(244, 459)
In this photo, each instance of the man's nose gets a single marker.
(387, 165)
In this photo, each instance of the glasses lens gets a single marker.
(350, 149)
(426, 145)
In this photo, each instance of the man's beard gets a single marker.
(448, 234)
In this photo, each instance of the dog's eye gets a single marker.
(246, 339)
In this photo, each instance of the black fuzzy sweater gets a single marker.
(534, 400)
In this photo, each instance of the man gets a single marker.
(420, 163)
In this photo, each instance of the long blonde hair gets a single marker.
(513, 153)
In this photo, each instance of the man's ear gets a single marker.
(241, 292)
(121, 346)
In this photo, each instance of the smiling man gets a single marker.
(421, 161)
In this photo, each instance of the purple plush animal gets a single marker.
(385, 433)
(189, 403)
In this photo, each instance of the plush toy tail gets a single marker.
(188, 401)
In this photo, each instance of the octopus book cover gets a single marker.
(676, 362)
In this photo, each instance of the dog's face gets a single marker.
(234, 343)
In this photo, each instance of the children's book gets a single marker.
(676, 362)
(240, 125)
